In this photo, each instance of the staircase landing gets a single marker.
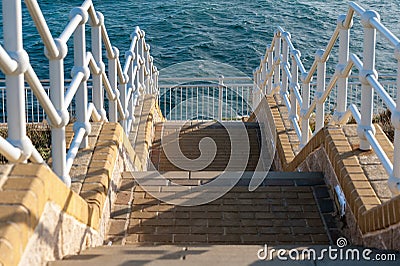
(294, 208)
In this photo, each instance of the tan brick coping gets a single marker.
(370, 213)
(22, 200)
(150, 115)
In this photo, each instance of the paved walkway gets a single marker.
(290, 209)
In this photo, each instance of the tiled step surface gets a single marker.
(201, 255)
(294, 208)
(290, 209)
(190, 135)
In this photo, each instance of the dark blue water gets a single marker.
(234, 32)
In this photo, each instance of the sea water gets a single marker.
(233, 32)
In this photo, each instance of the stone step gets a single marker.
(271, 177)
(286, 208)
(201, 255)
(192, 133)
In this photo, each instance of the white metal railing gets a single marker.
(121, 84)
(223, 98)
(289, 78)
(241, 107)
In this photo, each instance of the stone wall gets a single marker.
(372, 219)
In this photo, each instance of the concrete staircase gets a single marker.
(190, 136)
(287, 209)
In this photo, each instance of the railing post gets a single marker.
(285, 53)
(277, 72)
(394, 178)
(80, 65)
(305, 126)
(58, 143)
(137, 82)
(264, 74)
(269, 68)
(321, 76)
(142, 62)
(255, 90)
(342, 82)
(15, 88)
(220, 96)
(131, 89)
(155, 77)
(122, 97)
(138, 87)
(151, 73)
(112, 73)
(147, 68)
(255, 87)
(293, 84)
(367, 91)
(97, 90)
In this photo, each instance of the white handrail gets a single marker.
(9, 151)
(42, 27)
(142, 78)
(42, 96)
(70, 29)
(73, 87)
(7, 64)
(74, 147)
(270, 79)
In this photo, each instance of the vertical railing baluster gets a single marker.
(321, 75)
(285, 56)
(197, 102)
(269, 68)
(58, 143)
(15, 88)
(255, 87)
(264, 73)
(342, 82)
(81, 97)
(122, 87)
(277, 72)
(226, 102)
(165, 101)
(146, 57)
(220, 96)
(305, 126)
(152, 75)
(130, 98)
(112, 73)
(97, 88)
(142, 63)
(138, 69)
(368, 69)
(293, 85)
